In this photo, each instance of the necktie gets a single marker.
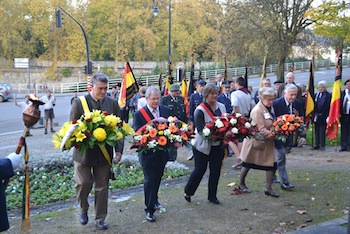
(290, 108)
(155, 113)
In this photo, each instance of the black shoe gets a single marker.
(315, 147)
(158, 206)
(187, 198)
(342, 149)
(215, 201)
(287, 186)
(101, 225)
(272, 193)
(45, 131)
(244, 190)
(150, 217)
(52, 130)
(276, 181)
(84, 219)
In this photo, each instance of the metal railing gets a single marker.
(207, 75)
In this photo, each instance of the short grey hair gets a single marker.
(265, 92)
(290, 87)
(152, 89)
(208, 89)
(99, 77)
(322, 83)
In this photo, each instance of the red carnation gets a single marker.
(89, 120)
(87, 134)
(74, 121)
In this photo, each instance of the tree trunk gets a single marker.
(280, 68)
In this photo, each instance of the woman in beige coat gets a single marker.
(259, 154)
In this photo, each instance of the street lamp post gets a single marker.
(155, 12)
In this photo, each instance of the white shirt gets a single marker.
(141, 103)
(49, 103)
(242, 100)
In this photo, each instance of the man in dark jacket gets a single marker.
(287, 104)
(175, 102)
(92, 167)
(153, 163)
(322, 105)
(345, 117)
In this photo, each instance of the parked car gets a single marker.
(5, 92)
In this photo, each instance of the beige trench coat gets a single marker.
(260, 153)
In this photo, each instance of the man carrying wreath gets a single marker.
(92, 166)
(153, 163)
(287, 104)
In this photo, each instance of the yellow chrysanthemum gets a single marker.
(100, 134)
(111, 121)
(127, 129)
(96, 119)
(56, 141)
(80, 136)
(160, 133)
(119, 136)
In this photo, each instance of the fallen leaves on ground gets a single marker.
(301, 212)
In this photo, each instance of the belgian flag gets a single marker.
(309, 102)
(129, 86)
(334, 112)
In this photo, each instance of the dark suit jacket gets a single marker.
(281, 91)
(195, 100)
(280, 108)
(177, 108)
(322, 106)
(342, 107)
(94, 156)
(226, 101)
(6, 171)
(139, 120)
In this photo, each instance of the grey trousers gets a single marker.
(281, 165)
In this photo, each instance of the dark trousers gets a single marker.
(125, 115)
(201, 161)
(320, 135)
(153, 168)
(345, 132)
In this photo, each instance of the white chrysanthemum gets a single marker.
(148, 127)
(233, 121)
(206, 131)
(218, 123)
(253, 123)
(171, 119)
(167, 132)
(178, 138)
(238, 115)
(247, 125)
(152, 144)
(137, 138)
(184, 127)
(234, 130)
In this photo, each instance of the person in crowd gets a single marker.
(265, 83)
(218, 82)
(75, 96)
(175, 102)
(257, 154)
(49, 101)
(233, 85)
(290, 79)
(241, 98)
(225, 97)
(117, 90)
(141, 102)
(133, 101)
(288, 104)
(196, 98)
(23, 105)
(345, 118)
(204, 151)
(7, 167)
(113, 92)
(276, 86)
(177, 108)
(322, 104)
(92, 168)
(153, 163)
